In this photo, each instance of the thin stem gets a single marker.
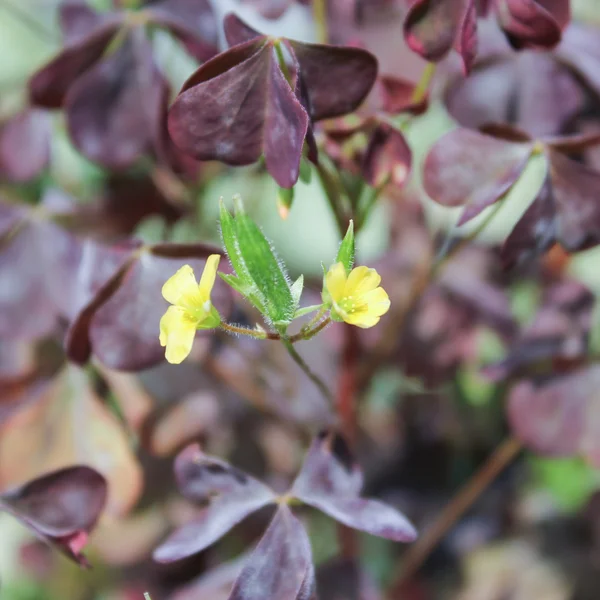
(465, 498)
(315, 319)
(320, 17)
(347, 386)
(447, 251)
(254, 333)
(310, 374)
(331, 188)
(307, 335)
(420, 91)
(372, 196)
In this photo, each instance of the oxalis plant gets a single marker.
(345, 435)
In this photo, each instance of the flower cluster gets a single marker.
(351, 295)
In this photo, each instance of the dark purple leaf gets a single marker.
(331, 482)
(466, 41)
(580, 49)
(330, 468)
(237, 31)
(269, 9)
(337, 79)
(565, 211)
(433, 27)
(387, 158)
(397, 96)
(530, 90)
(535, 232)
(192, 21)
(285, 127)
(559, 416)
(215, 584)
(114, 108)
(37, 263)
(575, 191)
(25, 145)
(61, 507)
(100, 272)
(202, 478)
(232, 496)
(573, 143)
(281, 564)
(467, 168)
(48, 87)
(78, 19)
(559, 331)
(533, 23)
(237, 106)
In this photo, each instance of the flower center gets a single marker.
(349, 305)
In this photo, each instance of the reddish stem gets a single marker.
(346, 393)
(346, 409)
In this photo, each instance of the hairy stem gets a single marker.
(255, 333)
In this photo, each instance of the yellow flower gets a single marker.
(191, 310)
(356, 297)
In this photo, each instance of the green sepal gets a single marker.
(296, 290)
(261, 276)
(335, 317)
(306, 310)
(345, 254)
(247, 291)
(212, 321)
(325, 296)
(285, 198)
(305, 174)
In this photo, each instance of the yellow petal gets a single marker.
(335, 281)
(362, 319)
(362, 280)
(207, 281)
(182, 284)
(177, 331)
(377, 301)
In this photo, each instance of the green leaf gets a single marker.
(345, 254)
(296, 290)
(570, 480)
(262, 277)
(229, 237)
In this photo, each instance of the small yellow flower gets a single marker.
(192, 309)
(356, 297)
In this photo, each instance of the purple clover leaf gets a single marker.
(247, 102)
(60, 508)
(281, 565)
(476, 169)
(434, 27)
(106, 79)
